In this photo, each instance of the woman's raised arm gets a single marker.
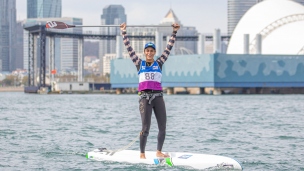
(135, 59)
(162, 59)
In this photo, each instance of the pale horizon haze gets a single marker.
(205, 15)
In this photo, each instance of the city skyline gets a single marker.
(205, 15)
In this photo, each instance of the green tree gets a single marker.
(9, 80)
(25, 81)
(98, 78)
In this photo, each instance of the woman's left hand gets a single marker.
(123, 26)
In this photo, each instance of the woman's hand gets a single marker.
(123, 26)
(175, 26)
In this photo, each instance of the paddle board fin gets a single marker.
(164, 161)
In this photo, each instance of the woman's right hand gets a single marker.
(123, 26)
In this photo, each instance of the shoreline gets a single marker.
(180, 91)
(11, 89)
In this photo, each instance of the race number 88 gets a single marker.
(149, 76)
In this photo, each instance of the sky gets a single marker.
(205, 15)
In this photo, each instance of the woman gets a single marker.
(150, 89)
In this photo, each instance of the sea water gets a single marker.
(54, 132)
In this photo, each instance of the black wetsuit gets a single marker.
(150, 99)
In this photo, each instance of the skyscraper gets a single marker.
(17, 62)
(7, 36)
(299, 1)
(43, 8)
(112, 15)
(66, 49)
(237, 8)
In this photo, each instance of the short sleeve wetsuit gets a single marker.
(151, 91)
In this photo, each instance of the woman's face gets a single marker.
(149, 52)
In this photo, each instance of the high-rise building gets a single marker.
(7, 36)
(111, 15)
(17, 62)
(43, 8)
(237, 8)
(66, 49)
(299, 1)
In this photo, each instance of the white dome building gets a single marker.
(280, 24)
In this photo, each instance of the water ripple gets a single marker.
(54, 132)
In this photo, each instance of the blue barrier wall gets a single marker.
(259, 70)
(219, 70)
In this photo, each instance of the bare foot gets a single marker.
(160, 154)
(142, 156)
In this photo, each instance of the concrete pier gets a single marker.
(118, 91)
(11, 89)
(170, 90)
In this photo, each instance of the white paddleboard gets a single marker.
(194, 160)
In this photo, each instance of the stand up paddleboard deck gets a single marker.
(196, 161)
